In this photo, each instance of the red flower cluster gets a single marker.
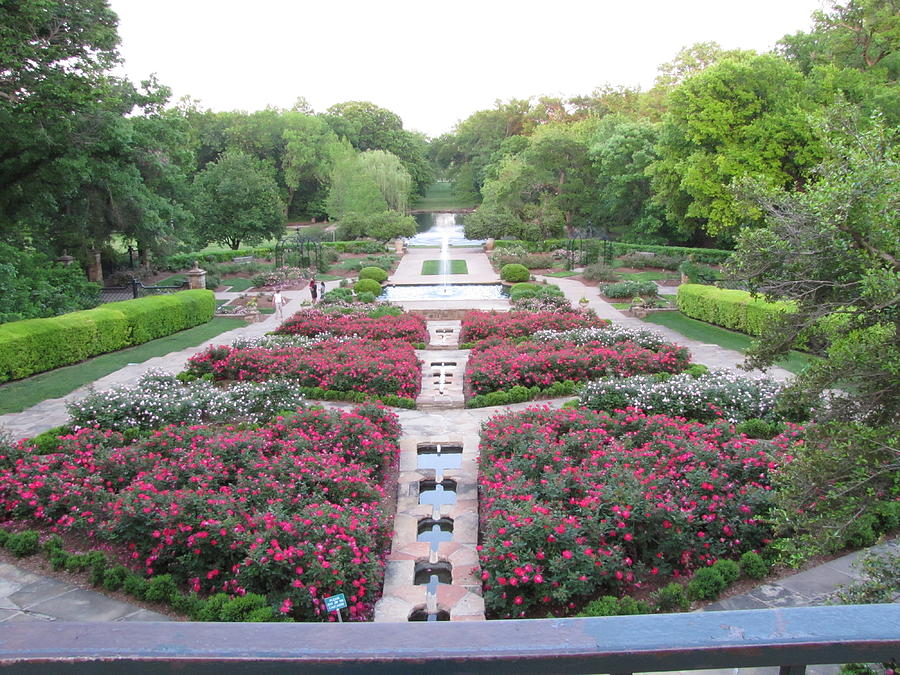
(292, 510)
(498, 364)
(311, 322)
(578, 503)
(372, 367)
(478, 325)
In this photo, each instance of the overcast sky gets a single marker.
(432, 63)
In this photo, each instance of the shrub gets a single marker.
(115, 576)
(478, 325)
(160, 588)
(672, 598)
(728, 570)
(757, 428)
(617, 508)
(699, 274)
(23, 543)
(374, 273)
(629, 289)
(735, 310)
(514, 272)
(338, 295)
(660, 261)
(600, 272)
(706, 584)
(135, 585)
(366, 297)
(753, 565)
(367, 286)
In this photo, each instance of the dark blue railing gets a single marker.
(789, 638)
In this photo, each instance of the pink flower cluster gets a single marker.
(478, 325)
(311, 322)
(498, 364)
(372, 367)
(292, 510)
(577, 503)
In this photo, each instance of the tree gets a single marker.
(389, 174)
(309, 148)
(834, 249)
(236, 199)
(352, 191)
(740, 117)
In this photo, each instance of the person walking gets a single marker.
(312, 289)
(278, 302)
(322, 289)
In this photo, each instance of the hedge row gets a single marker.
(737, 310)
(710, 256)
(37, 345)
(180, 261)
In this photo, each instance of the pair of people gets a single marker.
(316, 289)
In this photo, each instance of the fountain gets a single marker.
(444, 266)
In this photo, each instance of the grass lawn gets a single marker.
(238, 283)
(707, 333)
(434, 267)
(22, 394)
(328, 277)
(438, 197)
(174, 280)
(561, 273)
(649, 275)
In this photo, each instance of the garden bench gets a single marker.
(242, 259)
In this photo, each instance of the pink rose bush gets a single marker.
(497, 364)
(310, 322)
(578, 503)
(478, 325)
(368, 366)
(292, 510)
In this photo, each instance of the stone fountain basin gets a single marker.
(413, 292)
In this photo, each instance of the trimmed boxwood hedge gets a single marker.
(737, 310)
(367, 286)
(37, 345)
(514, 273)
(374, 273)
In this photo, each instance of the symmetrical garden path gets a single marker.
(448, 563)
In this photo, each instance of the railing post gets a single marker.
(134, 288)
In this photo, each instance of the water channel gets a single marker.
(434, 228)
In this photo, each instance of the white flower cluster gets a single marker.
(276, 341)
(160, 399)
(611, 335)
(734, 397)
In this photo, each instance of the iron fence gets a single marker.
(136, 289)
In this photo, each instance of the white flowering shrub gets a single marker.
(276, 341)
(160, 399)
(610, 335)
(718, 393)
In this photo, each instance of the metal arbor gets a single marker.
(298, 251)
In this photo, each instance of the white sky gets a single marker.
(432, 63)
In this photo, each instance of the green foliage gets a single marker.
(671, 598)
(753, 565)
(729, 570)
(699, 274)
(609, 605)
(115, 576)
(379, 225)
(367, 286)
(841, 488)
(337, 295)
(375, 273)
(513, 272)
(629, 289)
(520, 394)
(757, 428)
(706, 584)
(880, 582)
(23, 543)
(161, 588)
(136, 586)
(32, 286)
(36, 345)
(600, 272)
(696, 370)
(236, 199)
(736, 310)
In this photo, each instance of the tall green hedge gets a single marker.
(737, 310)
(710, 256)
(37, 345)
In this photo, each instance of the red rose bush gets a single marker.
(311, 322)
(478, 325)
(292, 510)
(577, 503)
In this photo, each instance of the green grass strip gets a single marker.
(649, 275)
(794, 362)
(562, 273)
(22, 394)
(439, 197)
(237, 283)
(434, 267)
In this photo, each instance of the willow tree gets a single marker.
(389, 174)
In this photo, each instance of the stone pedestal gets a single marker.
(489, 245)
(95, 269)
(196, 277)
(399, 246)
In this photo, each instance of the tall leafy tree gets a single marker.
(237, 200)
(389, 174)
(309, 149)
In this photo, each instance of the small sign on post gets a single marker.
(335, 603)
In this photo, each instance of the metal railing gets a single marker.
(789, 638)
(136, 289)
